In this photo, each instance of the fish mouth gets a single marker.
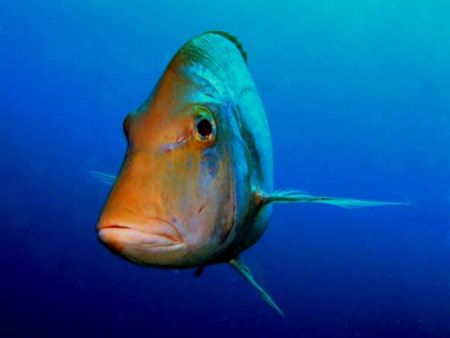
(152, 235)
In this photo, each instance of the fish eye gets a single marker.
(205, 126)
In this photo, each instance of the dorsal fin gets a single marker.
(234, 40)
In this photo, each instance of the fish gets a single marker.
(196, 184)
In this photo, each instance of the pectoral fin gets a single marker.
(199, 271)
(102, 177)
(289, 196)
(240, 266)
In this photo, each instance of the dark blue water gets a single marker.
(358, 99)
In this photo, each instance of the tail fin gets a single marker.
(240, 266)
(288, 196)
(102, 177)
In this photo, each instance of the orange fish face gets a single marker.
(173, 202)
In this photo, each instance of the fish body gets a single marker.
(197, 194)
(196, 184)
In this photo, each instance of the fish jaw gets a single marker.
(158, 242)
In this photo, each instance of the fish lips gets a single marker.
(146, 244)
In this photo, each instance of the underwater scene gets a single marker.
(225, 168)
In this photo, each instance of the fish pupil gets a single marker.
(204, 127)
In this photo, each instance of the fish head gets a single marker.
(173, 203)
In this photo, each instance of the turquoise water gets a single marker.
(357, 97)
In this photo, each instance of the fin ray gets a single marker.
(102, 177)
(243, 269)
(289, 196)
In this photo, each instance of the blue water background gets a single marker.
(357, 95)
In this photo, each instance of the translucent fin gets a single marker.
(288, 196)
(102, 177)
(240, 266)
